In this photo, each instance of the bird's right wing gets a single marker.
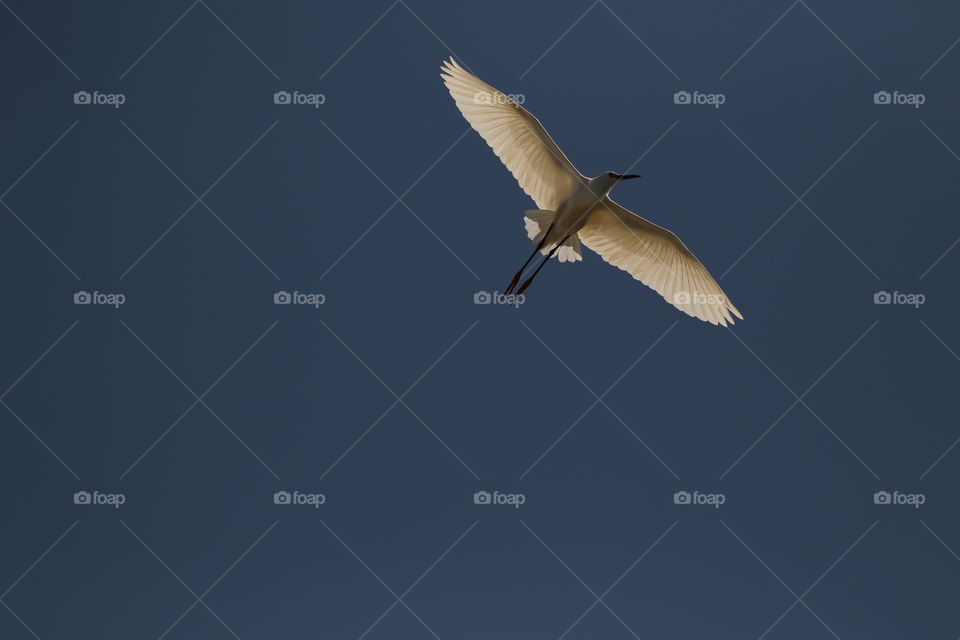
(658, 259)
(518, 139)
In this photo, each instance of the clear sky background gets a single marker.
(198, 399)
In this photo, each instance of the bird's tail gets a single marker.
(537, 222)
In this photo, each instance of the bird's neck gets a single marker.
(601, 185)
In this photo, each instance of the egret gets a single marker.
(574, 209)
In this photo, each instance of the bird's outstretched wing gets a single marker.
(518, 139)
(658, 259)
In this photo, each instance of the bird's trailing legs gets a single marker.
(536, 250)
(553, 252)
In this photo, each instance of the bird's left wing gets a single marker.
(518, 138)
(657, 258)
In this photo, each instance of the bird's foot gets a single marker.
(513, 283)
(524, 286)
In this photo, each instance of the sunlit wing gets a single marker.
(658, 259)
(518, 139)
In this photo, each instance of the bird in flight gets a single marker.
(575, 209)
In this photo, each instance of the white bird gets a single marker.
(573, 208)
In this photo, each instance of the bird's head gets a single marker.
(608, 179)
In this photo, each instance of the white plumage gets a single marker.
(573, 208)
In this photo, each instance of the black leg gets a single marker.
(540, 266)
(516, 277)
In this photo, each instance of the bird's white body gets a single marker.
(573, 208)
(574, 211)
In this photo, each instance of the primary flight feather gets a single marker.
(573, 208)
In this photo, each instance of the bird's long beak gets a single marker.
(628, 176)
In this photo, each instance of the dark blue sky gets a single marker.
(197, 400)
